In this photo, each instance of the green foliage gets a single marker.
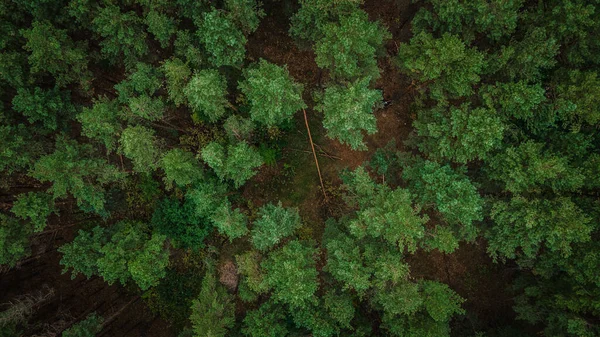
(526, 226)
(180, 222)
(180, 167)
(252, 276)
(461, 134)
(496, 19)
(446, 64)
(89, 327)
(177, 74)
(213, 312)
(14, 240)
(349, 47)
(515, 99)
(44, 106)
(384, 213)
(273, 94)
(101, 122)
(35, 206)
(230, 222)
(206, 196)
(292, 274)
(274, 223)
(77, 169)
(123, 34)
(238, 127)
(146, 107)
(311, 19)
(269, 320)
(348, 112)
(238, 164)
(224, 42)
(206, 93)
(122, 253)
(143, 80)
(246, 14)
(450, 192)
(580, 88)
(53, 51)
(139, 144)
(161, 26)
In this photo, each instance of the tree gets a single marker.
(446, 64)
(312, 17)
(213, 312)
(460, 134)
(349, 47)
(123, 34)
(101, 122)
(245, 13)
(45, 106)
(76, 169)
(122, 253)
(177, 74)
(579, 88)
(144, 79)
(161, 26)
(35, 206)
(206, 93)
(349, 111)
(238, 164)
(139, 144)
(230, 222)
(528, 225)
(292, 274)
(273, 224)
(180, 167)
(269, 320)
(14, 240)
(181, 223)
(53, 51)
(224, 42)
(273, 94)
(448, 191)
(88, 327)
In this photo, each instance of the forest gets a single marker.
(245, 168)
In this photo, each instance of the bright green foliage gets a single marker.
(246, 14)
(273, 94)
(35, 206)
(580, 88)
(349, 111)
(529, 167)
(238, 164)
(123, 34)
(44, 106)
(450, 192)
(181, 167)
(14, 240)
(161, 26)
(446, 63)
(440, 301)
(89, 327)
(181, 222)
(443, 239)
(384, 213)
(76, 169)
(238, 127)
(525, 226)
(53, 51)
(269, 320)
(348, 48)
(177, 74)
(101, 122)
(224, 42)
(139, 144)
(206, 93)
(146, 107)
(274, 223)
(122, 253)
(292, 274)
(206, 196)
(213, 312)
(311, 19)
(143, 80)
(461, 134)
(230, 222)
(252, 275)
(495, 18)
(189, 49)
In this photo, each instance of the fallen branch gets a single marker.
(314, 153)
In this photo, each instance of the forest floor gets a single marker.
(294, 181)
